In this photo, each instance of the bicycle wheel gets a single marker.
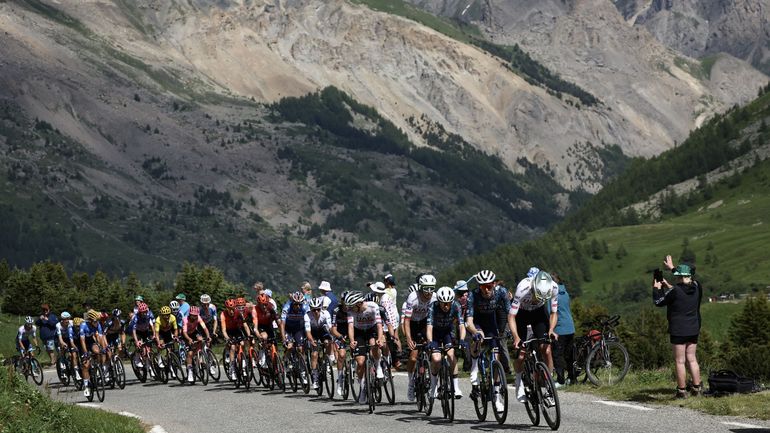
(607, 363)
(387, 381)
(161, 373)
(177, 367)
(97, 380)
(214, 371)
(547, 396)
(279, 374)
(378, 384)
(256, 371)
(61, 371)
(321, 375)
(302, 367)
(424, 372)
(370, 383)
(291, 372)
(481, 393)
(500, 392)
(352, 378)
(532, 406)
(36, 371)
(447, 392)
(226, 363)
(204, 367)
(120, 372)
(139, 372)
(91, 382)
(330, 379)
(345, 380)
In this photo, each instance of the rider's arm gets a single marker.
(429, 332)
(224, 328)
(308, 334)
(351, 331)
(202, 324)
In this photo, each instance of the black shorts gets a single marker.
(296, 334)
(538, 319)
(418, 330)
(166, 336)
(143, 335)
(267, 329)
(689, 339)
(112, 339)
(236, 333)
(443, 336)
(362, 337)
(320, 334)
(90, 342)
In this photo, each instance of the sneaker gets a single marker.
(549, 401)
(380, 374)
(521, 394)
(433, 387)
(681, 393)
(474, 376)
(362, 393)
(160, 363)
(696, 390)
(410, 392)
(139, 364)
(304, 378)
(315, 384)
(190, 375)
(458, 391)
(332, 358)
(557, 385)
(87, 391)
(339, 388)
(77, 375)
(499, 406)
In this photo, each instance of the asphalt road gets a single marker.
(220, 407)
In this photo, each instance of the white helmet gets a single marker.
(28, 320)
(378, 287)
(174, 306)
(205, 299)
(316, 303)
(485, 277)
(445, 294)
(354, 298)
(427, 283)
(413, 288)
(542, 285)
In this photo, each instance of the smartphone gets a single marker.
(657, 275)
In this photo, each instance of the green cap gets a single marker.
(682, 271)
(182, 297)
(139, 298)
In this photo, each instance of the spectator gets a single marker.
(307, 290)
(46, 325)
(502, 324)
(565, 329)
(461, 296)
(330, 300)
(390, 287)
(682, 301)
(184, 307)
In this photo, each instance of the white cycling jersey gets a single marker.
(324, 321)
(416, 308)
(391, 311)
(525, 298)
(368, 318)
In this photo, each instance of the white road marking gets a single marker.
(619, 404)
(741, 425)
(157, 429)
(129, 414)
(93, 405)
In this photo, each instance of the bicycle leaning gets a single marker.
(538, 386)
(599, 355)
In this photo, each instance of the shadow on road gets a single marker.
(494, 427)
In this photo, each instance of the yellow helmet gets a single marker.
(165, 310)
(77, 321)
(93, 315)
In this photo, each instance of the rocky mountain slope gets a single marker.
(142, 132)
(704, 28)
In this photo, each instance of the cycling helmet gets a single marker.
(372, 297)
(65, 315)
(165, 310)
(354, 298)
(532, 271)
(389, 280)
(343, 295)
(542, 285)
(139, 298)
(174, 306)
(240, 302)
(316, 303)
(93, 315)
(205, 299)
(77, 321)
(230, 303)
(116, 312)
(263, 299)
(28, 320)
(445, 294)
(378, 287)
(104, 316)
(485, 277)
(413, 288)
(194, 311)
(297, 297)
(143, 308)
(427, 283)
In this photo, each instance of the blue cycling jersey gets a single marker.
(484, 311)
(441, 320)
(142, 324)
(294, 318)
(88, 331)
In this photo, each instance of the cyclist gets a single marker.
(115, 330)
(416, 311)
(138, 299)
(233, 327)
(318, 323)
(390, 320)
(66, 335)
(535, 304)
(22, 337)
(443, 317)
(90, 336)
(142, 327)
(484, 303)
(412, 289)
(364, 327)
(340, 326)
(292, 324)
(208, 312)
(265, 317)
(191, 331)
(166, 330)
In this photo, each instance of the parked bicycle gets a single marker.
(599, 355)
(538, 386)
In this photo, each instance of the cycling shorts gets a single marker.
(538, 319)
(443, 336)
(362, 337)
(267, 329)
(418, 330)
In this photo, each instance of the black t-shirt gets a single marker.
(682, 304)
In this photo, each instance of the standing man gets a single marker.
(502, 325)
(46, 325)
(184, 307)
(565, 329)
(329, 299)
(461, 295)
(682, 302)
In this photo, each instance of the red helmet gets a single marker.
(194, 311)
(263, 299)
(240, 302)
(104, 316)
(143, 308)
(230, 303)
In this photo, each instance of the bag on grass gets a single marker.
(727, 382)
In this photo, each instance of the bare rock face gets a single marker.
(707, 27)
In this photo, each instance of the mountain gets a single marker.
(706, 28)
(286, 139)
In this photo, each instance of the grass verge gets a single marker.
(25, 409)
(657, 387)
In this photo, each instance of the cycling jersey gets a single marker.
(23, 334)
(66, 334)
(208, 315)
(321, 324)
(190, 326)
(88, 331)
(114, 326)
(484, 311)
(294, 318)
(391, 311)
(525, 298)
(142, 324)
(266, 316)
(233, 321)
(368, 318)
(167, 325)
(416, 307)
(441, 320)
(340, 320)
